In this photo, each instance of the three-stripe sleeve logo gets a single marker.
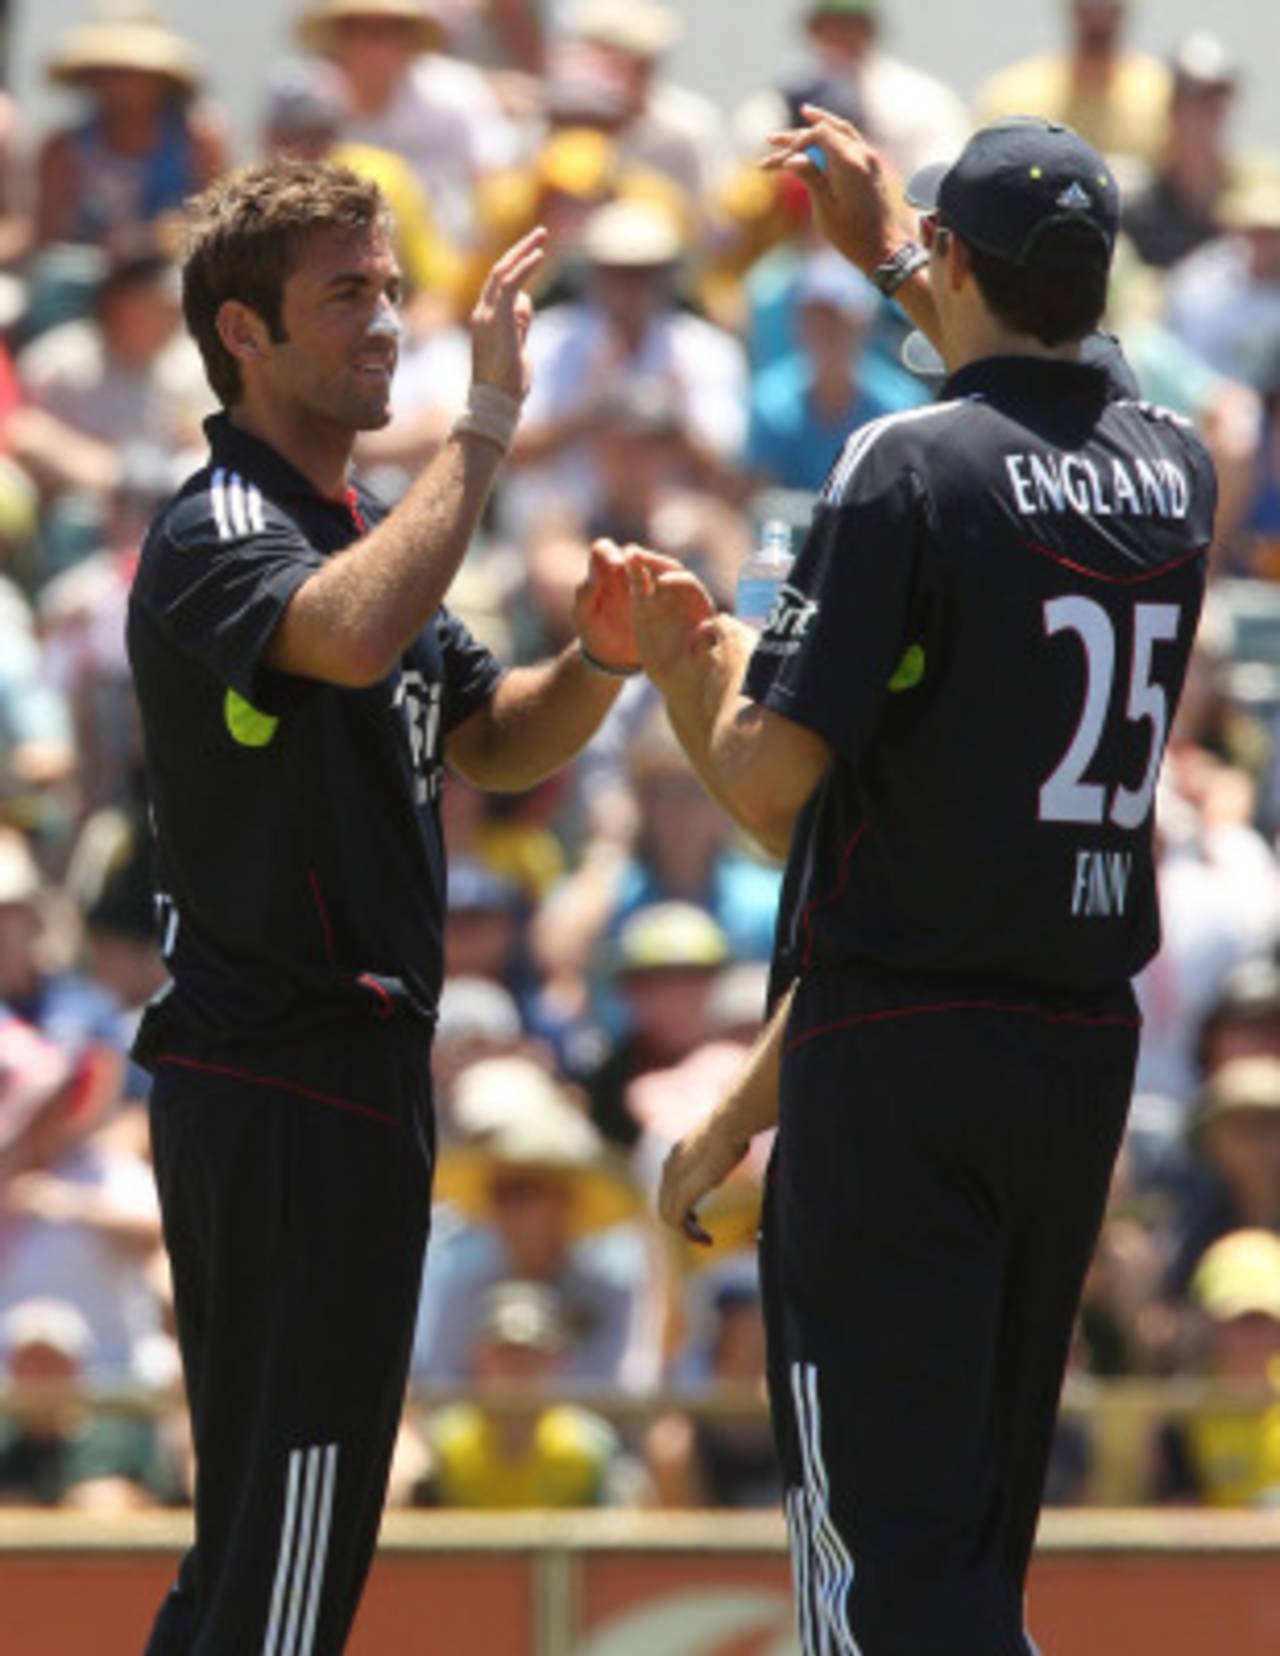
(823, 1564)
(304, 1547)
(237, 505)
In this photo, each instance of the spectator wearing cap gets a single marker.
(405, 93)
(527, 1451)
(910, 115)
(1177, 209)
(532, 1192)
(1223, 300)
(147, 141)
(1227, 1455)
(482, 923)
(664, 127)
(628, 328)
(306, 106)
(678, 849)
(804, 406)
(1236, 1135)
(1113, 96)
(665, 963)
(54, 1451)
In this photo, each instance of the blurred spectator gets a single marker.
(116, 399)
(37, 736)
(1176, 210)
(698, 1460)
(17, 193)
(666, 960)
(53, 1450)
(145, 144)
(80, 1226)
(407, 95)
(1114, 96)
(527, 1451)
(1244, 1019)
(35, 1080)
(482, 923)
(674, 131)
(627, 329)
(1238, 1144)
(1253, 539)
(913, 117)
(306, 106)
(536, 1196)
(1229, 1456)
(1224, 299)
(804, 406)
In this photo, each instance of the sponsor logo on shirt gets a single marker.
(789, 621)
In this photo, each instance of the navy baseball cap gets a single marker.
(1016, 179)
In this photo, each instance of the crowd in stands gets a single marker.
(698, 360)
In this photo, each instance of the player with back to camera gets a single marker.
(301, 689)
(952, 725)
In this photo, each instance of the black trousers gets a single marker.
(296, 1217)
(939, 1179)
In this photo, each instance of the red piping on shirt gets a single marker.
(386, 1006)
(357, 516)
(811, 908)
(1115, 580)
(1106, 1020)
(323, 912)
(281, 1086)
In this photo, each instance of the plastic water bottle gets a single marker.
(763, 573)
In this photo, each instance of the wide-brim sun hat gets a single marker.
(317, 26)
(125, 36)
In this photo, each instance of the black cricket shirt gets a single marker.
(990, 623)
(300, 862)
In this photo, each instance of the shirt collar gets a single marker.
(232, 446)
(1041, 377)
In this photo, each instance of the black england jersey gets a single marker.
(990, 623)
(299, 854)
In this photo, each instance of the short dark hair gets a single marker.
(244, 234)
(1058, 295)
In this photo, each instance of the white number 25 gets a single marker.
(1066, 797)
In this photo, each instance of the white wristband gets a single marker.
(490, 414)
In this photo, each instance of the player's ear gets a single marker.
(242, 331)
(959, 265)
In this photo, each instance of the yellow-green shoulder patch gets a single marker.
(910, 670)
(247, 725)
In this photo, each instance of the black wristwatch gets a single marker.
(890, 275)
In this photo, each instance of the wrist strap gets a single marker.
(890, 275)
(598, 666)
(490, 414)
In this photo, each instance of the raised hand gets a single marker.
(856, 195)
(672, 614)
(500, 320)
(602, 607)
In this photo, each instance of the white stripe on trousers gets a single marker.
(308, 1515)
(831, 1559)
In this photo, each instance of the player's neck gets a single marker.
(977, 336)
(318, 448)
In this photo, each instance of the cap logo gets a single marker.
(1075, 199)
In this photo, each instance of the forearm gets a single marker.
(350, 622)
(535, 722)
(751, 1104)
(702, 704)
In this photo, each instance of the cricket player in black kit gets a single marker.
(954, 719)
(301, 689)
